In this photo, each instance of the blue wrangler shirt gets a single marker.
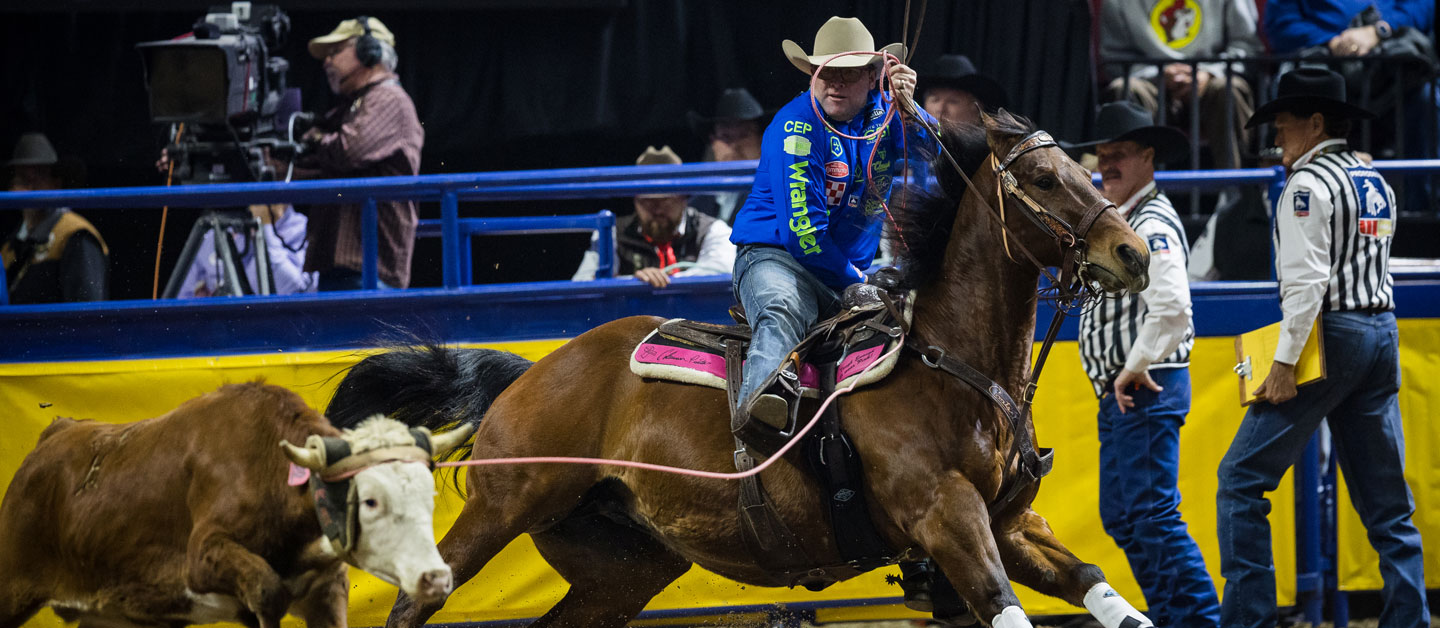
(810, 193)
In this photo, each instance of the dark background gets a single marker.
(505, 85)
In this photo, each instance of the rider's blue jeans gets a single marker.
(782, 300)
(1358, 399)
(1140, 501)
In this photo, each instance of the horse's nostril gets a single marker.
(1132, 259)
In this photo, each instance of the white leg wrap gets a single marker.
(1011, 617)
(1112, 610)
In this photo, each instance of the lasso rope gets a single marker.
(713, 475)
(887, 96)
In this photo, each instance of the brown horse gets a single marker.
(933, 448)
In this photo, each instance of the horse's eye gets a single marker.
(1046, 183)
(371, 503)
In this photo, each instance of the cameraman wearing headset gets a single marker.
(373, 132)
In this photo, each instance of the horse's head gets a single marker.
(1037, 179)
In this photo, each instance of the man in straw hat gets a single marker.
(1136, 352)
(56, 255)
(663, 235)
(373, 132)
(812, 223)
(1333, 227)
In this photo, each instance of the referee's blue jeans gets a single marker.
(782, 300)
(1140, 503)
(1359, 401)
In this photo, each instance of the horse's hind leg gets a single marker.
(1035, 558)
(613, 571)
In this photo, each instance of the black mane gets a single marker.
(926, 218)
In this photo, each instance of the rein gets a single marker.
(1072, 287)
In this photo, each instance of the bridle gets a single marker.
(1072, 289)
(1074, 284)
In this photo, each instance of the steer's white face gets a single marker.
(396, 507)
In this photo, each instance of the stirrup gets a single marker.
(766, 420)
(770, 409)
(914, 581)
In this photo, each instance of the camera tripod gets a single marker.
(233, 278)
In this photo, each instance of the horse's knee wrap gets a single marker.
(1011, 617)
(1112, 610)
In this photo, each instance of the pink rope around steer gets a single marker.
(679, 470)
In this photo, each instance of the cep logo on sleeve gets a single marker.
(1159, 244)
(1302, 203)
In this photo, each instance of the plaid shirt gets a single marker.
(373, 133)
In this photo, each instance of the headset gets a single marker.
(367, 46)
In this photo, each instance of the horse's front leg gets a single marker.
(955, 531)
(1035, 558)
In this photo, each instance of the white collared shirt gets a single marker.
(1333, 228)
(1152, 329)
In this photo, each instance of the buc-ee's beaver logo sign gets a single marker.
(1176, 22)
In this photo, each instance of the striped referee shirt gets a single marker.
(1333, 228)
(1152, 329)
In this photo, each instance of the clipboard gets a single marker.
(1255, 353)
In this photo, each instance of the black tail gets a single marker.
(430, 386)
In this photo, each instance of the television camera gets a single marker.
(226, 84)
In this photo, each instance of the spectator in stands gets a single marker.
(665, 238)
(284, 231)
(1333, 231)
(954, 91)
(1349, 28)
(55, 255)
(734, 135)
(373, 132)
(1180, 30)
(1357, 28)
(1136, 352)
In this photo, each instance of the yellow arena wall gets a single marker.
(518, 584)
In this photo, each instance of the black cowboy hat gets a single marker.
(957, 72)
(1309, 89)
(1126, 121)
(735, 103)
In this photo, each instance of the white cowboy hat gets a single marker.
(839, 34)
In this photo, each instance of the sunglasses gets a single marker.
(843, 75)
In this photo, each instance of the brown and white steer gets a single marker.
(188, 518)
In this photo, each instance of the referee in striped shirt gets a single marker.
(1136, 351)
(1333, 226)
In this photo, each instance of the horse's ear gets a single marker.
(999, 131)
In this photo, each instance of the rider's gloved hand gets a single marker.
(887, 279)
(860, 295)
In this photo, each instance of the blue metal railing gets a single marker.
(449, 190)
(602, 224)
(573, 183)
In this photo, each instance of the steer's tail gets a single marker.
(429, 386)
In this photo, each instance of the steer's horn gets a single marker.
(448, 441)
(312, 456)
